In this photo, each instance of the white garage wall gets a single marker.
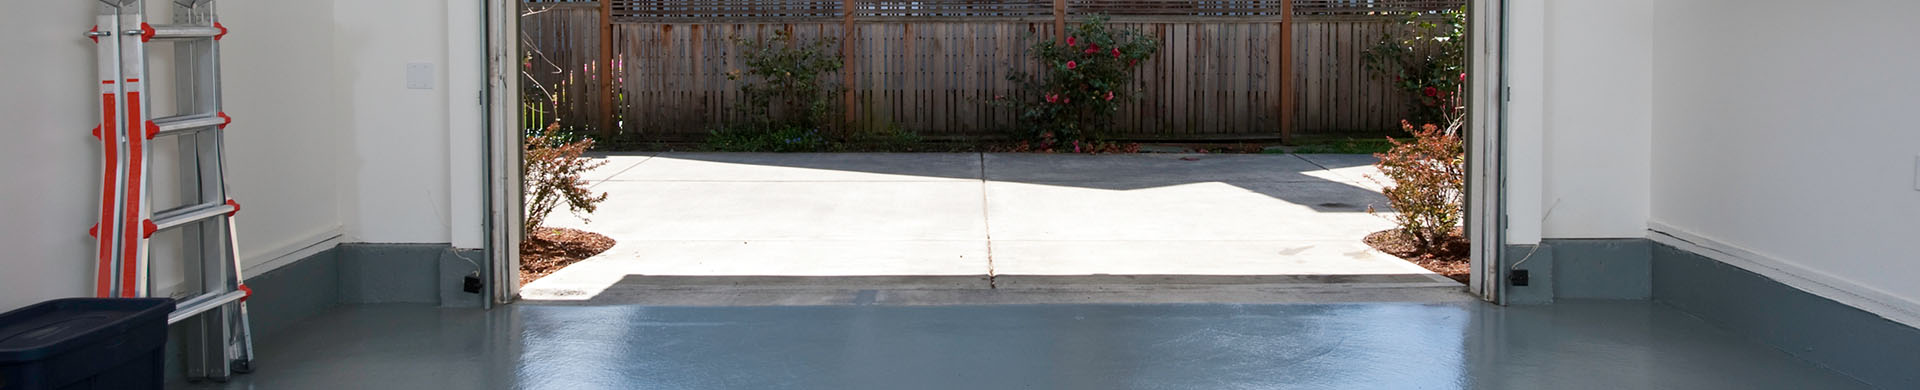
(415, 160)
(397, 136)
(284, 139)
(1599, 119)
(328, 144)
(48, 162)
(1784, 130)
(1580, 119)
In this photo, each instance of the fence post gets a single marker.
(1060, 21)
(847, 63)
(1286, 72)
(606, 69)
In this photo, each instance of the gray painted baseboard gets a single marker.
(1614, 268)
(1602, 268)
(1860, 344)
(1537, 260)
(1854, 342)
(285, 295)
(351, 274)
(407, 273)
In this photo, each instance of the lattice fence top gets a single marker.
(1371, 7)
(689, 11)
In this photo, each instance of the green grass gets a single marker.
(789, 139)
(777, 140)
(1342, 145)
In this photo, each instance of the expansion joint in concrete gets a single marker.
(986, 219)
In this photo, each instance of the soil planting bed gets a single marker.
(1452, 260)
(550, 249)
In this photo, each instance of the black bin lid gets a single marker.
(48, 328)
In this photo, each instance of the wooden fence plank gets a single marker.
(1215, 78)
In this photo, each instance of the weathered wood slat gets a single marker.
(1213, 78)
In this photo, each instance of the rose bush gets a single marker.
(1083, 80)
(1430, 64)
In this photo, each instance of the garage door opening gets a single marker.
(1165, 218)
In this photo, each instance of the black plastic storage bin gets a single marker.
(85, 343)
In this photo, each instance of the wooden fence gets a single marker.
(1215, 77)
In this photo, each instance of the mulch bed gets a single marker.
(998, 146)
(1452, 260)
(550, 249)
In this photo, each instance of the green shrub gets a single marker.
(1429, 183)
(551, 168)
(783, 82)
(1081, 84)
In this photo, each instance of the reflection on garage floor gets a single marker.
(695, 228)
(1568, 345)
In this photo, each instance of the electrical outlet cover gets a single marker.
(419, 75)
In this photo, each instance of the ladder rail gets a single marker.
(135, 260)
(217, 98)
(106, 230)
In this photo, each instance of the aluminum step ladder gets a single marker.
(219, 340)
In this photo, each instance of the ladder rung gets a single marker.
(175, 125)
(181, 216)
(182, 32)
(201, 304)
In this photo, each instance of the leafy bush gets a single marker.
(1429, 183)
(1430, 65)
(1081, 84)
(1428, 173)
(552, 167)
(783, 83)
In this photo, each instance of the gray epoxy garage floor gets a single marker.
(936, 227)
(1569, 345)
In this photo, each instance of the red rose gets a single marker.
(1109, 95)
(1071, 65)
(1053, 98)
(1430, 91)
(1133, 62)
(1463, 77)
(1069, 41)
(1116, 53)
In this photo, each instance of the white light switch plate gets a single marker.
(419, 75)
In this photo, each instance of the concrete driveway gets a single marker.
(856, 228)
